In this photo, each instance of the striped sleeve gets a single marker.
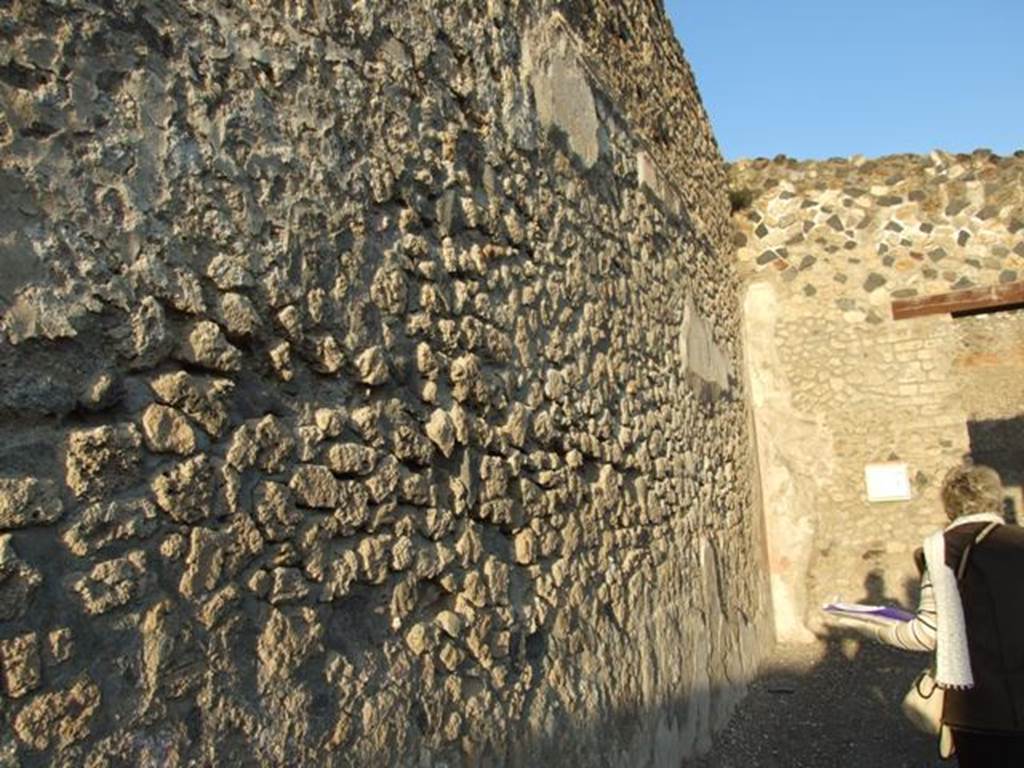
(918, 634)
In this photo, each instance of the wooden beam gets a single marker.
(991, 298)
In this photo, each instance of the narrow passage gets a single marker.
(827, 705)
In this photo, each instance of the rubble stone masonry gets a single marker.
(370, 388)
(824, 249)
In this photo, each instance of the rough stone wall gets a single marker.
(824, 248)
(370, 389)
(989, 367)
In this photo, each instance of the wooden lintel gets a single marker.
(991, 298)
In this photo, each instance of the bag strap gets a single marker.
(982, 535)
(927, 675)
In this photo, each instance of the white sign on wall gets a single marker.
(889, 481)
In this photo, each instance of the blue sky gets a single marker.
(822, 79)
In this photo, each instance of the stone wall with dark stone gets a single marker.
(370, 389)
(851, 235)
(825, 248)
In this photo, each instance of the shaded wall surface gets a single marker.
(370, 389)
(990, 367)
(825, 248)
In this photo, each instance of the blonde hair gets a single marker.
(970, 489)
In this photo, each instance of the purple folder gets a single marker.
(882, 613)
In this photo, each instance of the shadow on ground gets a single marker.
(832, 704)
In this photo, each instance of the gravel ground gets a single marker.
(832, 704)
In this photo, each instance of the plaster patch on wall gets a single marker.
(793, 451)
(700, 355)
(561, 88)
(650, 177)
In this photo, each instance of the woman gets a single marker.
(973, 620)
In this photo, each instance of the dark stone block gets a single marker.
(874, 281)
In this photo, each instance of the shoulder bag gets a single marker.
(924, 701)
